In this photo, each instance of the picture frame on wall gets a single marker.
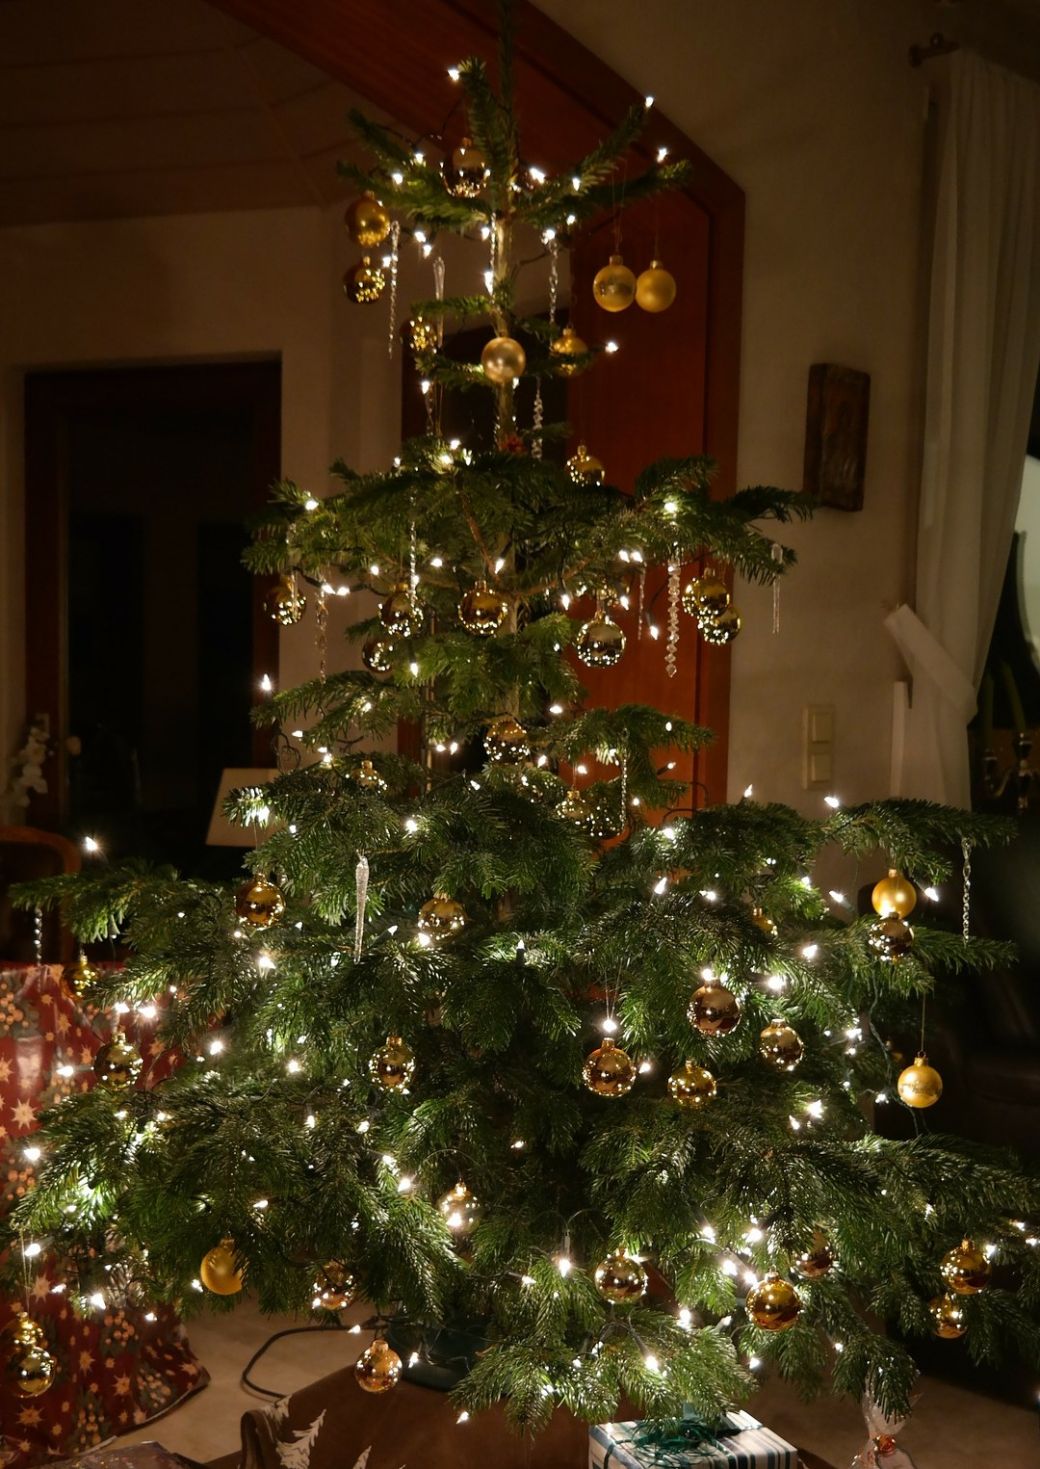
(836, 421)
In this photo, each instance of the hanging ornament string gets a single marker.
(38, 933)
(413, 578)
(624, 791)
(671, 652)
(321, 636)
(361, 902)
(776, 552)
(395, 250)
(966, 846)
(434, 399)
(642, 599)
(554, 286)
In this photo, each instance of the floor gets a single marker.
(950, 1427)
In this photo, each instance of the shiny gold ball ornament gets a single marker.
(714, 1009)
(334, 1287)
(482, 611)
(762, 921)
(259, 902)
(567, 349)
(218, 1271)
(614, 287)
(891, 939)
(364, 282)
(460, 1211)
(818, 1260)
(620, 1279)
(82, 975)
(894, 894)
(378, 1369)
(600, 642)
(423, 335)
(691, 1086)
(947, 1315)
(286, 604)
(584, 468)
(655, 288)
(780, 1046)
(722, 629)
(377, 654)
(401, 613)
(773, 1303)
(29, 1367)
(920, 1085)
(393, 1065)
(469, 171)
(440, 917)
(506, 742)
(609, 1071)
(574, 807)
(705, 596)
(368, 778)
(117, 1064)
(965, 1269)
(367, 221)
(503, 359)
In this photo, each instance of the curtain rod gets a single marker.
(938, 45)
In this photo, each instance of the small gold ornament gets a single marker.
(600, 642)
(469, 171)
(780, 1045)
(218, 1271)
(920, 1085)
(378, 1369)
(402, 614)
(117, 1064)
(894, 894)
(574, 807)
(620, 1279)
(286, 604)
(585, 468)
(364, 282)
(722, 629)
(817, 1260)
(655, 288)
(259, 902)
(891, 938)
(82, 975)
(947, 1314)
(393, 1065)
(460, 1211)
(965, 1269)
(614, 287)
(567, 348)
(368, 778)
(482, 611)
(763, 921)
(773, 1304)
(441, 916)
(691, 1086)
(714, 1009)
(377, 654)
(503, 359)
(423, 335)
(367, 221)
(705, 596)
(29, 1367)
(609, 1071)
(334, 1287)
(506, 742)
(604, 818)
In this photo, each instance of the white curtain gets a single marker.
(983, 358)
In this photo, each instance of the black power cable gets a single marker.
(266, 1392)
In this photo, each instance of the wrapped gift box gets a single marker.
(741, 1442)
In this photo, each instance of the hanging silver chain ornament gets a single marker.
(361, 901)
(38, 933)
(671, 650)
(624, 791)
(776, 553)
(966, 846)
(642, 599)
(321, 635)
(395, 252)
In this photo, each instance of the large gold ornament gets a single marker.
(482, 611)
(334, 1287)
(368, 778)
(600, 642)
(614, 287)
(714, 1009)
(469, 171)
(259, 902)
(82, 975)
(568, 348)
(117, 1064)
(818, 1259)
(441, 916)
(721, 629)
(393, 1065)
(585, 468)
(655, 288)
(377, 654)
(706, 596)
(691, 1086)
(286, 604)
(780, 1045)
(218, 1271)
(367, 221)
(947, 1315)
(620, 1279)
(503, 359)
(401, 613)
(29, 1367)
(460, 1211)
(378, 1369)
(506, 742)
(920, 1085)
(894, 894)
(773, 1304)
(364, 282)
(965, 1269)
(609, 1071)
(891, 938)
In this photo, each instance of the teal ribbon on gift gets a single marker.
(669, 1444)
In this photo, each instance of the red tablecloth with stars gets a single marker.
(117, 1368)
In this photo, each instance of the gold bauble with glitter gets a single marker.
(503, 359)
(705, 596)
(364, 282)
(334, 1287)
(378, 1369)
(482, 611)
(609, 1071)
(286, 604)
(29, 1366)
(965, 1269)
(780, 1046)
(368, 778)
(218, 1271)
(506, 742)
(722, 629)
(817, 1260)
(574, 807)
(367, 221)
(117, 1064)
(441, 916)
(393, 1065)
(894, 894)
(567, 349)
(773, 1303)
(460, 1211)
(947, 1314)
(377, 654)
(600, 642)
(614, 287)
(259, 902)
(469, 171)
(423, 335)
(655, 288)
(691, 1086)
(620, 1279)
(401, 613)
(714, 1009)
(585, 468)
(891, 938)
(920, 1085)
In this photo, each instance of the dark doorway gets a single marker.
(146, 637)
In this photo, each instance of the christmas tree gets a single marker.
(501, 1048)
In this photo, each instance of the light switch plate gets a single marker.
(818, 747)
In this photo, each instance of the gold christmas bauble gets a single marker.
(614, 287)
(920, 1085)
(773, 1304)
(780, 1045)
(620, 1279)
(574, 807)
(763, 921)
(894, 894)
(947, 1315)
(600, 642)
(117, 1064)
(460, 1211)
(285, 603)
(423, 334)
(469, 171)
(259, 902)
(705, 596)
(401, 613)
(29, 1367)
(567, 349)
(691, 1086)
(655, 288)
(218, 1271)
(714, 1009)
(721, 629)
(965, 1269)
(393, 1065)
(364, 282)
(609, 1071)
(334, 1287)
(378, 1369)
(506, 742)
(367, 221)
(377, 654)
(82, 975)
(440, 917)
(818, 1259)
(368, 778)
(482, 611)
(503, 359)
(585, 468)
(891, 938)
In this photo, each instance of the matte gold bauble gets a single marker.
(568, 348)
(286, 604)
(947, 1315)
(891, 939)
(401, 613)
(614, 287)
(609, 1071)
(620, 1279)
(368, 778)
(460, 1211)
(691, 1086)
(600, 642)
(218, 1271)
(82, 975)
(117, 1064)
(781, 1046)
(817, 1260)
(440, 917)
(29, 1367)
(722, 629)
(393, 1065)
(965, 1269)
(378, 1369)
(377, 654)
(585, 468)
(506, 742)
(259, 902)
(763, 921)
(920, 1085)
(714, 1009)
(364, 282)
(503, 359)
(705, 596)
(482, 611)
(334, 1287)
(894, 894)
(367, 221)
(773, 1304)
(469, 171)
(655, 288)
(424, 335)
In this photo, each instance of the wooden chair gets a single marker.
(25, 855)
